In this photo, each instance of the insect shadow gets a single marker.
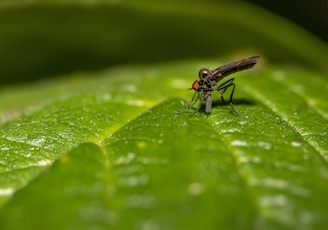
(236, 101)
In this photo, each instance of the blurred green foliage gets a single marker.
(46, 38)
(310, 15)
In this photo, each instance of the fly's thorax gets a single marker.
(211, 83)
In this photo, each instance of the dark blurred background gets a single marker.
(39, 40)
(311, 15)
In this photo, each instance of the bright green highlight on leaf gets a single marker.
(108, 150)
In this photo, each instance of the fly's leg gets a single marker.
(203, 96)
(191, 103)
(201, 99)
(224, 87)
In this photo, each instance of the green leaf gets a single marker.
(126, 159)
(108, 150)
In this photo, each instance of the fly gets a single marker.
(208, 82)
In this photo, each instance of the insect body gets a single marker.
(208, 82)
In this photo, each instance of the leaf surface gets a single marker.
(113, 152)
(107, 149)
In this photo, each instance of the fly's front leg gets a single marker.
(191, 103)
(205, 97)
(201, 101)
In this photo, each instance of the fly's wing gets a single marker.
(233, 67)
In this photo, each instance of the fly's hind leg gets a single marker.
(223, 87)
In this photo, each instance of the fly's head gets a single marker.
(204, 74)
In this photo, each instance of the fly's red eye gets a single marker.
(195, 85)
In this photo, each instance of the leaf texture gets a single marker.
(110, 151)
